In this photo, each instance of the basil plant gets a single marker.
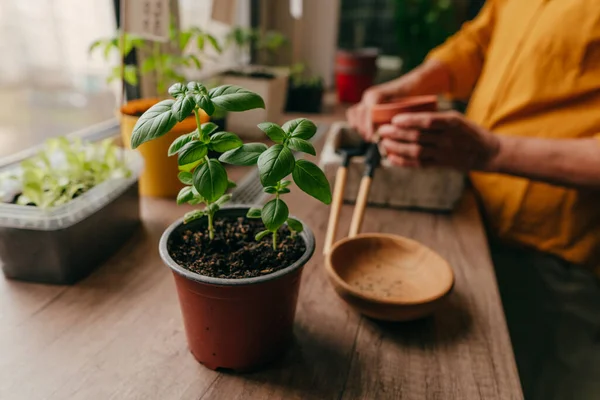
(206, 179)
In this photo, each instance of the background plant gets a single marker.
(167, 66)
(300, 77)
(205, 178)
(277, 162)
(243, 39)
(63, 170)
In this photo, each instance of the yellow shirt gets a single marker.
(532, 68)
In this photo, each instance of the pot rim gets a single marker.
(306, 235)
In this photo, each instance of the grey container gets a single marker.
(65, 244)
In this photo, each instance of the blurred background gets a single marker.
(51, 84)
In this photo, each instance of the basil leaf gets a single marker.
(300, 128)
(301, 145)
(183, 107)
(196, 88)
(312, 181)
(225, 141)
(246, 155)
(275, 164)
(235, 98)
(180, 142)
(254, 213)
(295, 225)
(223, 199)
(231, 184)
(208, 128)
(185, 195)
(204, 103)
(270, 190)
(260, 235)
(274, 214)
(193, 215)
(185, 177)
(211, 180)
(154, 123)
(177, 89)
(284, 184)
(190, 167)
(273, 131)
(192, 152)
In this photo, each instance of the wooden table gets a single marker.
(119, 334)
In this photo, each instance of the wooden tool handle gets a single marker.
(361, 205)
(336, 206)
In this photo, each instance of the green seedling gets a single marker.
(277, 162)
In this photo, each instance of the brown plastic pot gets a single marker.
(383, 113)
(237, 324)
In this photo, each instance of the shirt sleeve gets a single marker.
(464, 53)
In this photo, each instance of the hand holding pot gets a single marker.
(445, 139)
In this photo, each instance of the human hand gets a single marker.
(359, 115)
(445, 139)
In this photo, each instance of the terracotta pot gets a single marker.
(354, 73)
(237, 324)
(159, 178)
(383, 113)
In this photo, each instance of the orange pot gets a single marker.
(237, 324)
(383, 113)
(159, 178)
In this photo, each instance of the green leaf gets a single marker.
(148, 65)
(192, 152)
(190, 167)
(193, 215)
(183, 107)
(200, 42)
(283, 191)
(208, 128)
(275, 164)
(223, 199)
(235, 98)
(274, 214)
(184, 38)
(273, 131)
(214, 43)
(270, 190)
(254, 213)
(260, 235)
(130, 74)
(185, 195)
(301, 145)
(312, 180)
(225, 141)
(195, 60)
(211, 180)
(246, 155)
(185, 178)
(295, 225)
(178, 90)
(154, 123)
(300, 128)
(284, 184)
(180, 142)
(196, 88)
(231, 184)
(205, 103)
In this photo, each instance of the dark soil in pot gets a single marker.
(234, 253)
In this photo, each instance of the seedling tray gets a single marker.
(65, 244)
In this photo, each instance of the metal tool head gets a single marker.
(347, 152)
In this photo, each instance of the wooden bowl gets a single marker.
(389, 277)
(383, 113)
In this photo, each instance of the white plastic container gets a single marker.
(65, 243)
(436, 189)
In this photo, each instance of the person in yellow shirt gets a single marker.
(531, 139)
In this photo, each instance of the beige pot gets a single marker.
(159, 178)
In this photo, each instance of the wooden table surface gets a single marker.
(119, 335)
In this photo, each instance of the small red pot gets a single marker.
(237, 324)
(383, 113)
(354, 73)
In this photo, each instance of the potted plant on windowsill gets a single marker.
(266, 80)
(66, 209)
(237, 270)
(305, 92)
(167, 68)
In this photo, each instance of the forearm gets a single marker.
(565, 162)
(431, 77)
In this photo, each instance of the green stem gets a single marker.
(275, 241)
(211, 228)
